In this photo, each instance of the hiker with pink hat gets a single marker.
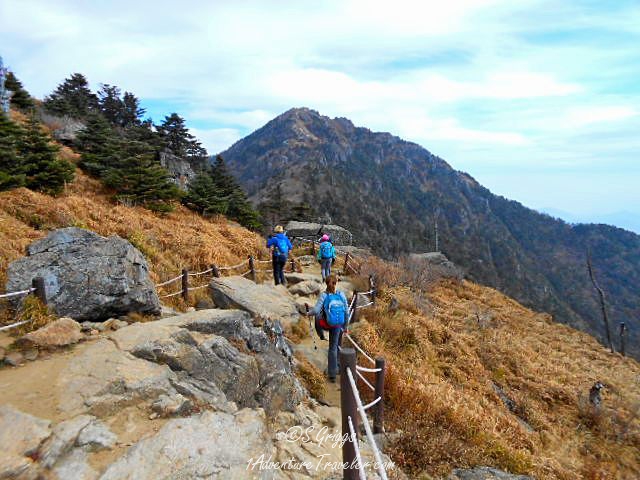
(326, 256)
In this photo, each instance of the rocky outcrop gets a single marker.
(20, 438)
(435, 262)
(338, 234)
(87, 277)
(64, 129)
(180, 170)
(262, 301)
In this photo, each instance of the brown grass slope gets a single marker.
(449, 349)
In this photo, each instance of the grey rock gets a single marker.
(87, 277)
(172, 405)
(60, 332)
(3, 352)
(436, 263)
(74, 466)
(261, 301)
(30, 355)
(202, 392)
(484, 473)
(210, 445)
(307, 288)
(87, 326)
(64, 129)
(338, 234)
(63, 439)
(96, 436)
(294, 277)
(14, 358)
(306, 260)
(180, 170)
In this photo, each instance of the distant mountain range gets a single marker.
(391, 193)
(623, 219)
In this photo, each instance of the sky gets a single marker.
(538, 100)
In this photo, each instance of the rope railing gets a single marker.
(17, 294)
(179, 292)
(196, 274)
(232, 267)
(367, 428)
(353, 342)
(370, 370)
(13, 325)
(365, 381)
(356, 447)
(168, 281)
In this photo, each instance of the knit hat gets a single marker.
(278, 229)
(325, 238)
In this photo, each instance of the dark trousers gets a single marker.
(335, 336)
(278, 269)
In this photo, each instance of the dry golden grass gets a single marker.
(446, 349)
(312, 378)
(180, 239)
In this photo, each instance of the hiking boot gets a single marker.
(332, 379)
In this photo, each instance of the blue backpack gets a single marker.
(326, 250)
(282, 249)
(335, 310)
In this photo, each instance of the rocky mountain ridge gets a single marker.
(391, 193)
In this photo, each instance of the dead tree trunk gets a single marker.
(603, 305)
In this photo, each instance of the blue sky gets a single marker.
(538, 100)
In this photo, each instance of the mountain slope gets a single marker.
(389, 192)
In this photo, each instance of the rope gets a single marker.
(246, 273)
(369, 405)
(365, 305)
(371, 370)
(191, 289)
(358, 348)
(171, 294)
(366, 293)
(16, 294)
(169, 281)
(263, 261)
(234, 266)
(17, 324)
(195, 274)
(356, 447)
(367, 427)
(366, 382)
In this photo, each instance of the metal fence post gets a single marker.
(349, 409)
(378, 413)
(215, 271)
(40, 292)
(252, 267)
(185, 284)
(623, 331)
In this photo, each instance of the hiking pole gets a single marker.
(315, 347)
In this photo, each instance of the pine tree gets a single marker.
(204, 197)
(131, 110)
(175, 134)
(11, 164)
(239, 208)
(110, 103)
(20, 98)
(73, 97)
(43, 169)
(96, 142)
(140, 180)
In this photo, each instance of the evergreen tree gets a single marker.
(73, 97)
(239, 208)
(43, 169)
(175, 134)
(204, 197)
(111, 106)
(11, 164)
(131, 110)
(20, 98)
(96, 142)
(140, 180)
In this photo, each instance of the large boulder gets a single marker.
(87, 277)
(434, 264)
(338, 234)
(262, 301)
(484, 473)
(180, 170)
(58, 333)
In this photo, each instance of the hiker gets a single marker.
(281, 246)
(332, 313)
(326, 256)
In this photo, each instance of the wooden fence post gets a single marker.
(293, 265)
(349, 409)
(354, 299)
(40, 292)
(345, 269)
(215, 271)
(623, 331)
(313, 248)
(185, 284)
(378, 413)
(252, 267)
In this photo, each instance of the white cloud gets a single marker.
(217, 139)
(583, 116)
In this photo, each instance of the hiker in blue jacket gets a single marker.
(326, 256)
(280, 247)
(332, 313)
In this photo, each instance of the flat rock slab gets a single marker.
(262, 301)
(58, 333)
(307, 288)
(338, 234)
(210, 445)
(294, 278)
